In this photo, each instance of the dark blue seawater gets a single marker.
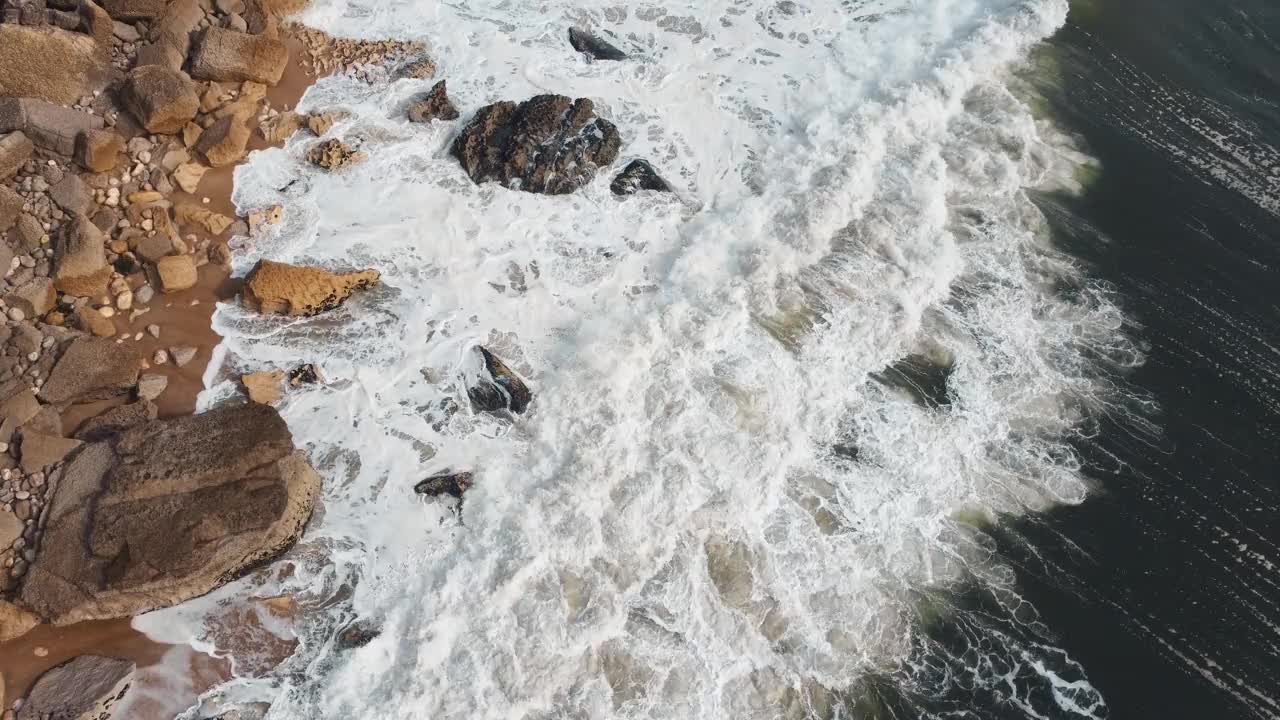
(1159, 597)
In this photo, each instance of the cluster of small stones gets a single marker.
(364, 59)
(26, 497)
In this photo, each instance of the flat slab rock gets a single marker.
(88, 686)
(548, 144)
(169, 510)
(273, 287)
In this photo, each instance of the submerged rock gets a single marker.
(923, 377)
(307, 374)
(638, 175)
(451, 484)
(357, 634)
(169, 510)
(433, 105)
(548, 144)
(273, 287)
(492, 386)
(593, 45)
(88, 686)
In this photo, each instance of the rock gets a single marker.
(450, 483)
(14, 621)
(265, 216)
(39, 450)
(548, 144)
(132, 10)
(49, 126)
(91, 369)
(281, 127)
(357, 634)
(72, 195)
(10, 528)
(28, 54)
(116, 420)
(79, 251)
(34, 297)
(188, 176)
(19, 408)
(10, 210)
(273, 287)
(596, 47)
(224, 142)
(159, 54)
(333, 154)
(192, 214)
(228, 55)
(183, 355)
(419, 69)
(98, 150)
(177, 273)
(167, 511)
(236, 23)
(94, 322)
(151, 249)
(492, 386)
(307, 374)
(174, 158)
(321, 123)
(434, 105)
(88, 686)
(162, 99)
(125, 32)
(173, 29)
(638, 175)
(15, 151)
(264, 386)
(152, 386)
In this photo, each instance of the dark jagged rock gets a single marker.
(451, 484)
(307, 374)
(593, 45)
(638, 175)
(493, 386)
(433, 105)
(920, 376)
(548, 144)
(357, 634)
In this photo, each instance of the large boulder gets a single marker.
(116, 420)
(273, 287)
(88, 686)
(548, 144)
(593, 45)
(92, 369)
(162, 99)
(227, 55)
(224, 142)
(638, 175)
(98, 150)
(28, 56)
(167, 511)
(50, 126)
(15, 150)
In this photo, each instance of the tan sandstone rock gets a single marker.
(14, 621)
(79, 254)
(15, 151)
(167, 511)
(191, 214)
(163, 100)
(92, 369)
(266, 386)
(28, 53)
(98, 150)
(333, 154)
(273, 287)
(224, 142)
(224, 54)
(188, 176)
(177, 273)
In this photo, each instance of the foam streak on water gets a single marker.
(668, 532)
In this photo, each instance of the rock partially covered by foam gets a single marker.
(169, 510)
(593, 45)
(273, 287)
(548, 144)
(88, 686)
(333, 154)
(450, 483)
(638, 175)
(492, 386)
(433, 105)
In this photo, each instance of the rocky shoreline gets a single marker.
(118, 228)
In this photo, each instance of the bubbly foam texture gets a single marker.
(678, 527)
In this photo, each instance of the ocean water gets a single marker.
(731, 498)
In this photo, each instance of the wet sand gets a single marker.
(184, 319)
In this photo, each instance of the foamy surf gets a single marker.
(713, 508)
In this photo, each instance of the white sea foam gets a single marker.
(667, 532)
